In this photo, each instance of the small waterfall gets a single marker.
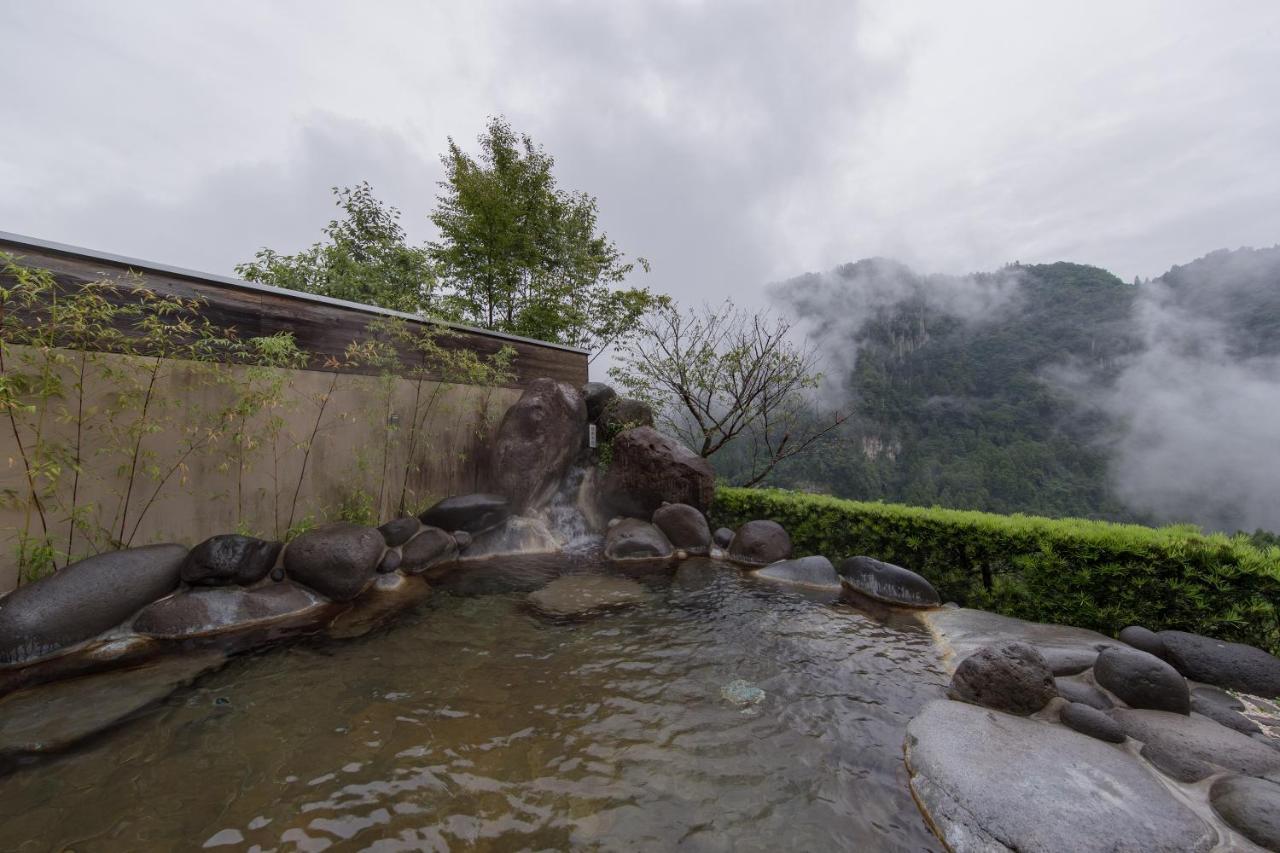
(564, 516)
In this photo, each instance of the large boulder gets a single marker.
(759, 543)
(685, 526)
(1223, 709)
(1142, 639)
(399, 531)
(722, 537)
(577, 596)
(1250, 807)
(1092, 722)
(1234, 666)
(1199, 738)
(84, 599)
(430, 548)
(648, 469)
(1142, 680)
(201, 612)
(887, 583)
(597, 395)
(337, 560)
(230, 559)
(815, 571)
(623, 413)
(994, 782)
(472, 513)
(633, 539)
(1011, 677)
(537, 440)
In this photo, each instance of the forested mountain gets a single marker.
(998, 391)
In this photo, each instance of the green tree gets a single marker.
(521, 255)
(365, 259)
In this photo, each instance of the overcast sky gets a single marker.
(733, 144)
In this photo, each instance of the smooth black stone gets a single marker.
(888, 583)
(759, 543)
(1092, 722)
(399, 531)
(390, 562)
(1085, 694)
(337, 560)
(685, 526)
(1143, 640)
(230, 559)
(1142, 680)
(470, 513)
(633, 539)
(428, 549)
(597, 396)
(1175, 763)
(722, 537)
(1234, 666)
(1250, 806)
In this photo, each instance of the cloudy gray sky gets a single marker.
(732, 144)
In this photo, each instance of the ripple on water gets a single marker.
(471, 723)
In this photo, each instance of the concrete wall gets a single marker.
(195, 479)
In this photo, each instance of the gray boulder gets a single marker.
(1176, 764)
(1084, 694)
(623, 413)
(759, 543)
(887, 583)
(1143, 640)
(722, 537)
(648, 469)
(337, 560)
(390, 562)
(1234, 666)
(597, 396)
(536, 442)
(463, 539)
(815, 571)
(1068, 660)
(399, 531)
(470, 513)
(1249, 806)
(1199, 738)
(430, 548)
(577, 596)
(1011, 677)
(685, 526)
(633, 539)
(995, 782)
(84, 599)
(1220, 710)
(1092, 722)
(230, 559)
(202, 612)
(1142, 680)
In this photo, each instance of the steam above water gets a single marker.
(1191, 400)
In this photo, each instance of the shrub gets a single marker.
(1069, 571)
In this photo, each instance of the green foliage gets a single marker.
(365, 259)
(522, 255)
(356, 507)
(1067, 571)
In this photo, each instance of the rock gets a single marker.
(1071, 660)
(84, 599)
(633, 539)
(1250, 807)
(685, 526)
(518, 535)
(1084, 694)
(965, 631)
(1199, 738)
(389, 595)
(575, 596)
(337, 560)
(1221, 713)
(462, 539)
(229, 559)
(994, 782)
(1143, 640)
(535, 443)
(623, 413)
(1217, 696)
(1175, 764)
(887, 583)
(469, 513)
(201, 612)
(1010, 677)
(399, 531)
(52, 717)
(277, 574)
(597, 396)
(647, 468)
(1142, 680)
(722, 537)
(813, 571)
(390, 562)
(1092, 722)
(1234, 666)
(742, 693)
(430, 548)
(759, 543)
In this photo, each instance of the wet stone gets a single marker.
(230, 559)
(815, 571)
(471, 513)
(1085, 694)
(887, 583)
(1199, 738)
(337, 560)
(1143, 640)
(1234, 666)
(1249, 806)
(632, 539)
(759, 543)
(399, 531)
(1221, 713)
(1176, 764)
(198, 612)
(1011, 677)
(1142, 680)
(390, 562)
(577, 596)
(1092, 722)
(536, 442)
(648, 468)
(597, 396)
(685, 526)
(722, 537)
(430, 548)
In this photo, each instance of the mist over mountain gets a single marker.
(1055, 389)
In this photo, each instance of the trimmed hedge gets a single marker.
(1091, 574)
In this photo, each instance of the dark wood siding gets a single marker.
(321, 328)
